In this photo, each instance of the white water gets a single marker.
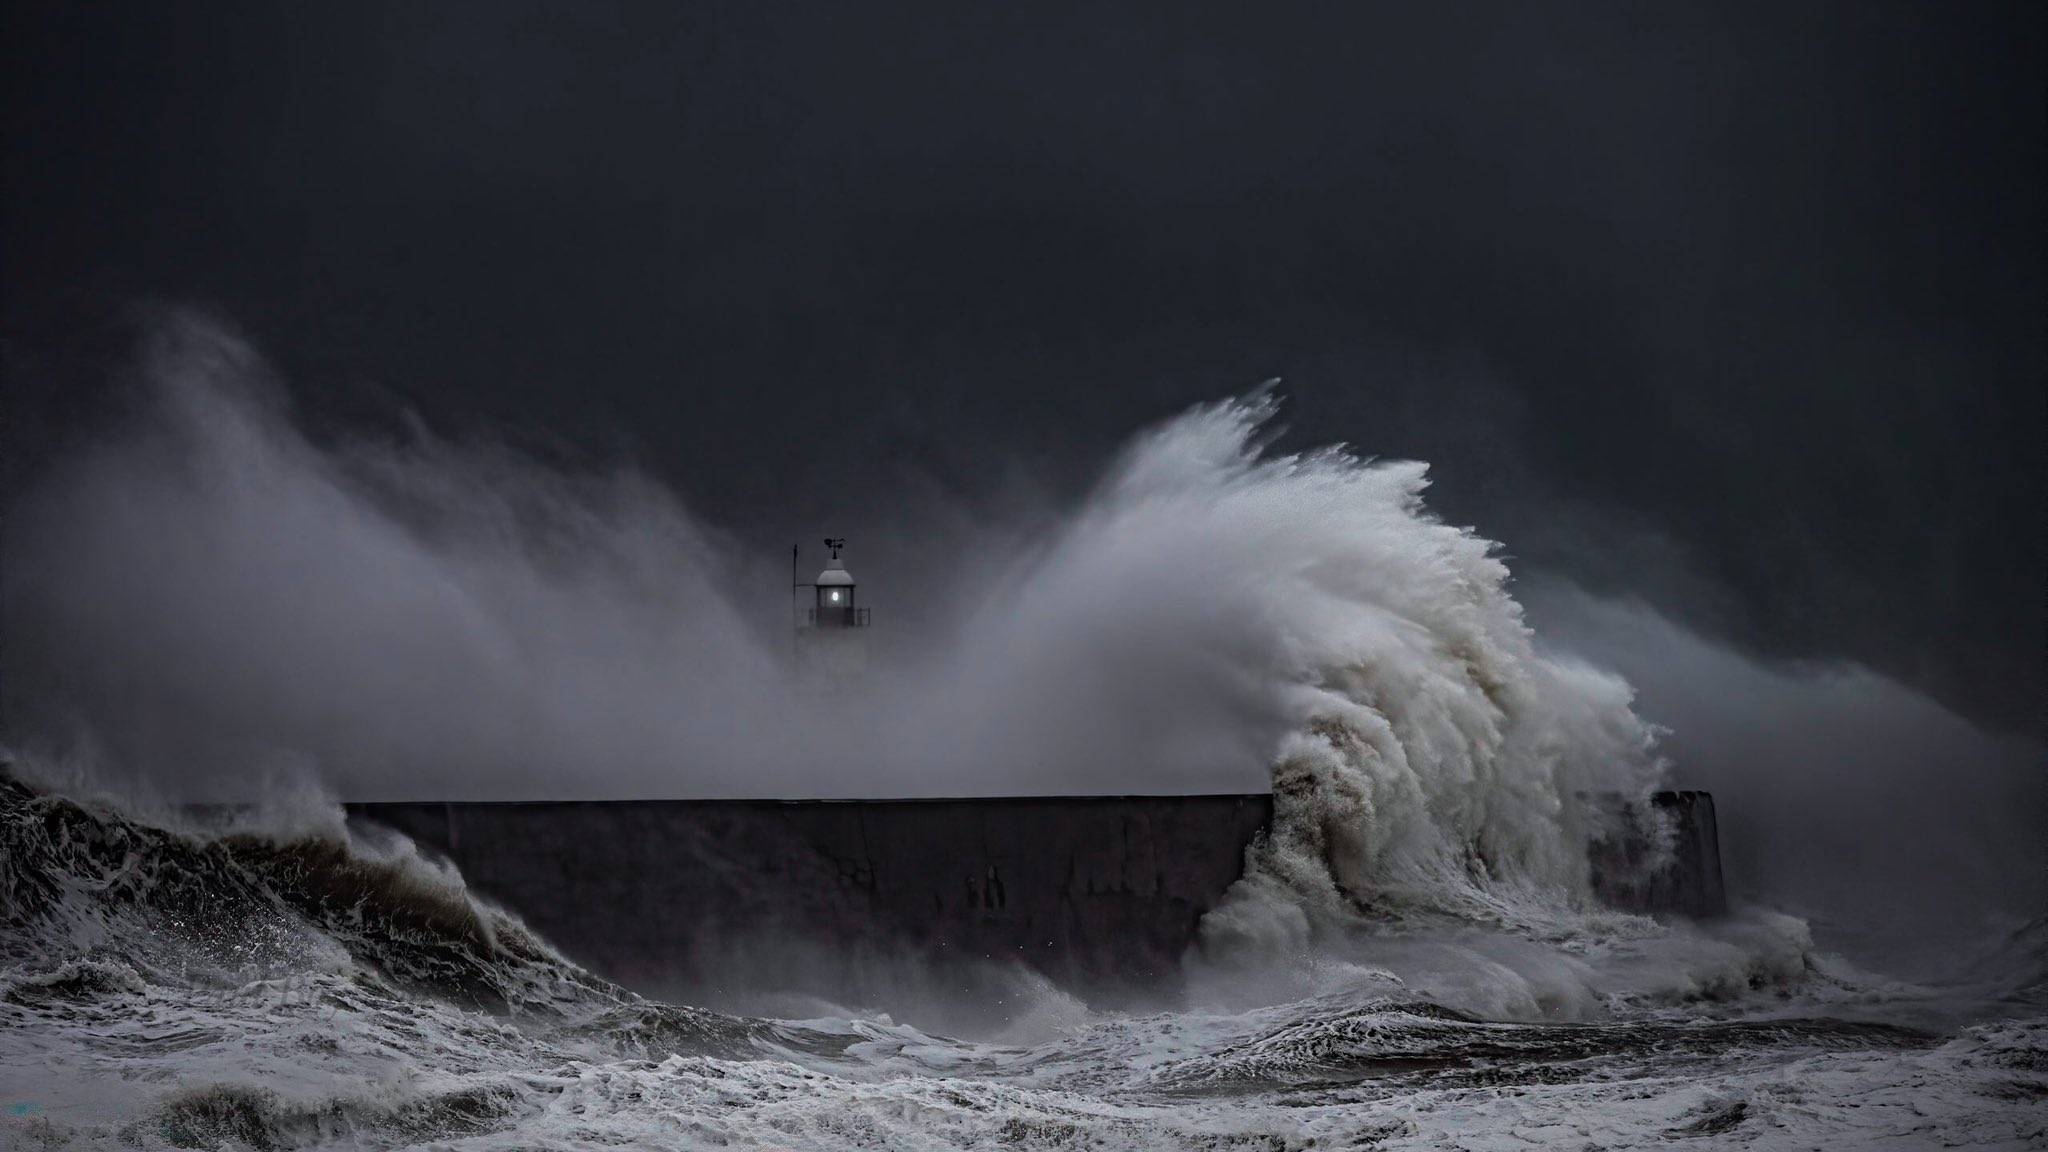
(208, 592)
(177, 988)
(1412, 959)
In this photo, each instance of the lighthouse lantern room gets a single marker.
(831, 626)
(835, 607)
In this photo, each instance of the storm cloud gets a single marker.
(1734, 307)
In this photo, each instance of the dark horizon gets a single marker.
(1735, 309)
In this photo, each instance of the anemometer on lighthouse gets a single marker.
(831, 628)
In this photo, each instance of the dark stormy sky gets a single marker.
(1738, 308)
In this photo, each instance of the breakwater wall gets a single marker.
(658, 893)
(1668, 861)
(666, 894)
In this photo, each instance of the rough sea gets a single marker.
(178, 987)
(1413, 958)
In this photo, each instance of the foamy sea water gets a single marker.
(176, 989)
(1411, 960)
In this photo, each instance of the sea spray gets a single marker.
(1428, 758)
(1437, 779)
(208, 585)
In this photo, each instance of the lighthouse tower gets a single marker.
(831, 627)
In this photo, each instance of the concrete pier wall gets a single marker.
(1669, 863)
(664, 894)
(655, 893)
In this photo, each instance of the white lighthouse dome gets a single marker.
(835, 575)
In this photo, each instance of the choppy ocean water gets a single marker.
(176, 988)
(1411, 959)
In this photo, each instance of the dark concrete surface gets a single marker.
(1631, 874)
(655, 893)
(663, 895)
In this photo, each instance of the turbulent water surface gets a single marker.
(1413, 957)
(222, 989)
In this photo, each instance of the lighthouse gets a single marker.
(831, 626)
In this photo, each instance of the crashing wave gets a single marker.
(1432, 759)
(94, 903)
(186, 906)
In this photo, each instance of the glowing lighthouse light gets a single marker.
(831, 630)
(835, 591)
